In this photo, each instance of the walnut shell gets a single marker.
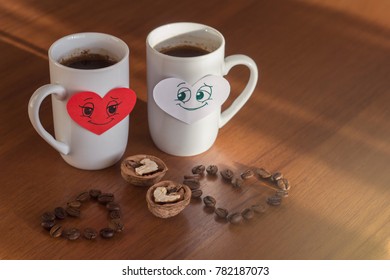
(128, 172)
(167, 210)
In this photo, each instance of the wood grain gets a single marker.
(320, 114)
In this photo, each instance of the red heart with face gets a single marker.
(99, 114)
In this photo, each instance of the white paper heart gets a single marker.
(190, 103)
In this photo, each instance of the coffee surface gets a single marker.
(88, 61)
(184, 51)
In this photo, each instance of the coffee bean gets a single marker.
(48, 224)
(280, 184)
(73, 212)
(196, 193)
(83, 197)
(94, 193)
(263, 173)
(71, 233)
(283, 184)
(105, 198)
(60, 213)
(56, 231)
(199, 169)
(227, 175)
(115, 214)
(237, 182)
(276, 176)
(260, 208)
(193, 184)
(107, 232)
(234, 218)
(274, 200)
(90, 233)
(282, 193)
(209, 201)
(111, 206)
(48, 216)
(117, 225)
(247, 174)
(221, 213)
(74, 204)
(247, 213)
(212, 169)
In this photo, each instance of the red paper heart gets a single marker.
(98, 114)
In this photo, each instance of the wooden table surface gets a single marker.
(320, 115)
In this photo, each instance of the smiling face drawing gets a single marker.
(190, 103)
(199, 99)
(88, 108)
(98, 114)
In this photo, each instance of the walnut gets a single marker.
(146, 163)
(161, 195)
(147, 166)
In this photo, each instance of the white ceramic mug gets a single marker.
(91, 123)
(170, 133)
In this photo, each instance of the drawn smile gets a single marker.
(91, 122)
(192, 109)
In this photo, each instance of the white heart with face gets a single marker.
(190, 103)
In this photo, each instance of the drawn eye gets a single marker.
(204, 93)
(87, 109)
(112, 107)
(183, 94)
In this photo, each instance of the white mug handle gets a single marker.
(230, 62)
(33, 112)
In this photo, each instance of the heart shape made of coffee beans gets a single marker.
(98, 114)
(51, 220)
(191, 103)
(275, 182)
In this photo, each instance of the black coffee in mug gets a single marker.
(88, 61)
(184, 51)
